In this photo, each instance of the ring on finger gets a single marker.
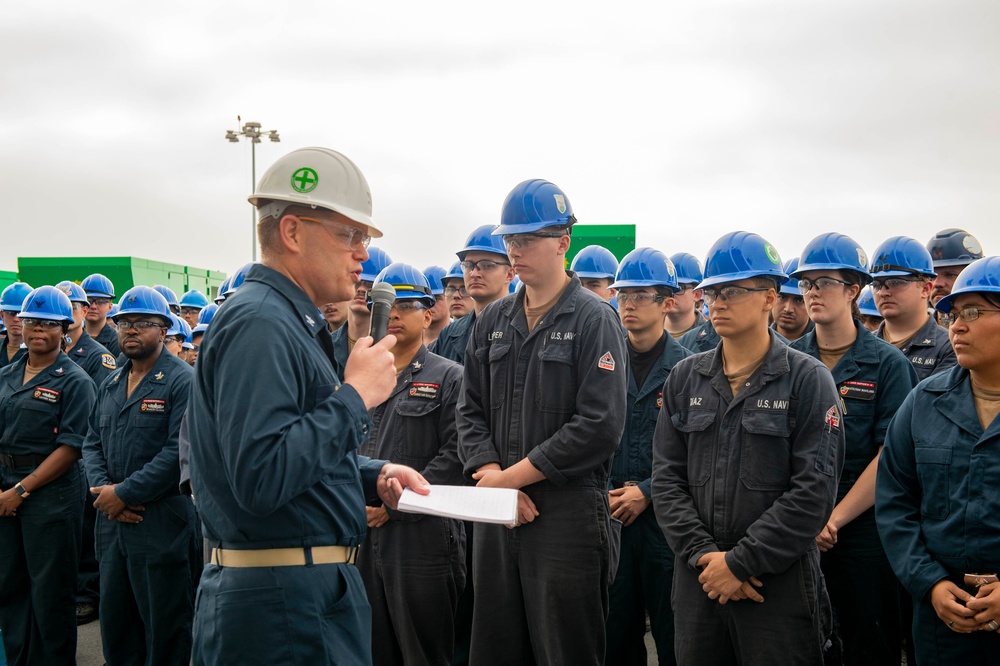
(993, 625)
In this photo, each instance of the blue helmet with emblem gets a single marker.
(375, 264)
(483, 240)
(220, 296)
(954, 247)
(646, 267)
(595, 261)
(207, 313)
(981, 276)
(834, 252)
(409, 283)
(168, 294)
(13, 296)
(435, 275)
(533, 205)
(866, 303)
(740, 255)
(237, 280)
(98, 286)
(143, 300)
(688, 268)
(791, 287)
(74, 291)
(47, 303)
(193, 299)
(455, 272)
(900, 256)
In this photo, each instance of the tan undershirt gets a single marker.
(534, 313)
(739, 378)
(899, 344)
(832, 355)
(30, 372)
(133, 382)
(987, 404)
(11, 350)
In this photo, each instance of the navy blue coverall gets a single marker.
(453, 340)
(39, 547)
(929, 350)
(274, 464)
(147, 594)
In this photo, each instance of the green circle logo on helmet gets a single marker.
(834, 252)
(534, 205)
(900, 256)
(47, 303)
(146, 301)
(409, 283)
(645, 267)
(331, 181)
(981, 276)
(740, 255)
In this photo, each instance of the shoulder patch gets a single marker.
(607, 362)
(109, 362)
(832, 418)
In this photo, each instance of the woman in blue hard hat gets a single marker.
(45, 400)
(10, 304)
(937, 499)
(872, 378)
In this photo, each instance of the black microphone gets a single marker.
(382, 295)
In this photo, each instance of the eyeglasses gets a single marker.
(99, 301)
(190, 311)
(640, 298)
(354, 238)
(892, 283)
(730, 294)
(406, 307)
(140, 326)
(451, 291)
(483, 265)
(45, 324)
(688, 286)
(965, 314)
(821, 284)
(527, 240)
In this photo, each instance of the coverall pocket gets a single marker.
(39, 422)
(934, 472)
(556, 378)
(253, 623)
(764, 461)
(497, 360)
(700, 449)
(416, 450)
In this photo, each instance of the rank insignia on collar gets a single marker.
(81, 351)
(310, 320)
(117, 375)
(158, 375)
(417, 365)
(926, 342)
(59, 371)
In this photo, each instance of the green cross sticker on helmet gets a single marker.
(304, 180)
(772, 254)
(560, 203)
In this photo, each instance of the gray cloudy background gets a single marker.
(874, 118)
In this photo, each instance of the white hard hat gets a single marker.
(316, 177)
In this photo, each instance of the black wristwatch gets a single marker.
(21, 491)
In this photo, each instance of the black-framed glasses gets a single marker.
(685, 286)
(190, 311)
(821, 283)
(893, 283)
(965, 314)
(640, 298)
(483, 265)
(45, 324)
(729, 294)
(461, 291)
(405, 307)
(99, 301)
(527, 240)
(140, 326)
(353, 237)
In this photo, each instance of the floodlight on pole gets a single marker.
(253, 132)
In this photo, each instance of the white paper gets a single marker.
(480, 505)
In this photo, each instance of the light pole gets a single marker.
(253, 132)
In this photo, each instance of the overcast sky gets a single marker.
(874, 118)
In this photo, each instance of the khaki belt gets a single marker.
(284, 557)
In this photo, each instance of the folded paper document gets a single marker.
(480, 505)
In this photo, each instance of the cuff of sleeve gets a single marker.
(647, 488)
(477, 461)
(693, 562)
(538, 459)
(76, 441)
(926, 579)
(123, 490)
(356, 406)
(742, 574)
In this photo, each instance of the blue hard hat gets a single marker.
(408, 282)
(220, 296)
(614, 302)
(595, 261)
(168, 294)
(237, 279)
(740, 255)
(112, 312)
(207, 312)
(193, 299)
(74, 291)
(435, 275)
(98, 286)
(790, 288)
(900, 256)
(688, 268)
(13, 296)
(47, 303)
(834, 252)
(533, 205)
(376, 263)
(455, 272)
(483, 240)
(199, 329)
(514, 284)
(646, 267)
(866, 303)
(143, 300)
(954, 247)
(175, 325)
(981, 276)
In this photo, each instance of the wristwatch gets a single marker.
(21, 491)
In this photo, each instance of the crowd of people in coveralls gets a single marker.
(755, 461)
